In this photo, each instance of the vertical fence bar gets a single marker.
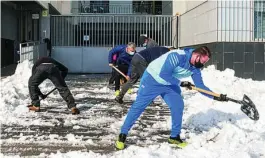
(242, 9)
(262, 11)
(113, 33)
(79, 28)
(68, 31)
(164, 23)
(57, 31)
(149, 29)
(92, 30)
(152, 32)
(145, 23)
(170, 30)
(233, 21)
(74, 31)
(98, 35)
(155, 28)
(225, 22)
(87, 36)
(123, 30)
(105, 32)
(54, 31)
(61, 31)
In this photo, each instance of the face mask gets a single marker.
(131, 53)
(198, 64)
(145, 44)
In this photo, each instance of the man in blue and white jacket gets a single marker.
(162, 78)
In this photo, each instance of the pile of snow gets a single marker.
(15, 95)
(212, 129)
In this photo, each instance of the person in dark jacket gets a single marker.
(48, 68)
(147, 42)
(125, 54)
(138, 65)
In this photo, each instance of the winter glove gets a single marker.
(186, 84)
(221, 98)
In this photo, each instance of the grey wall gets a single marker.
(8, 22)
(247, 59)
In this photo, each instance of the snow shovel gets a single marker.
(119, 72)
(247, 106)
(44, 96)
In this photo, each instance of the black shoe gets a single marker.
(119, 100)
(122, 137)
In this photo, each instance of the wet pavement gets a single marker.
(95, 129)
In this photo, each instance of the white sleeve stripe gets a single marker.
(176, 59)
(171, 61)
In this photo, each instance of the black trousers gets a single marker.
(49, 71)
(124, 69)
(139, 65)
(112, 77)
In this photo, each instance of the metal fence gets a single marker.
(241, 21)
(109, 30)
(32, 51)
(223, 21)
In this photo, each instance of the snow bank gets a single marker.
(15, 95)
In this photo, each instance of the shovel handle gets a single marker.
(119, 72)
(46, 95)
(205, 91)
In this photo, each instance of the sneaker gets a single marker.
(117, 92)
(177, 141)
(35, 108)
(75, 111)
(130, 91)
(119, 100)
(120, 143)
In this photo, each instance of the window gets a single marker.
(94, 6)
(259, 19)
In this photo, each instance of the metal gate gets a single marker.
(82, 42)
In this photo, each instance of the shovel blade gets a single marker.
(249, 108)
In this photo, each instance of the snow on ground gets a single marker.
(213, 129)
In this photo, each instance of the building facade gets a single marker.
(26, 21)
(233, 30)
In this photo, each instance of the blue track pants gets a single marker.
(149, 89)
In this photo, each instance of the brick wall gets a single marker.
(247, 59)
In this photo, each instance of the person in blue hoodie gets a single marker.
(162, 78)
(125, 54)
(138, 65)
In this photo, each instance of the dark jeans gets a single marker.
(124, 69)
(113, 76)
(49, 71)
(139, 65)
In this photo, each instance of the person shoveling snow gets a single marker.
(162, 78)
(48, 68)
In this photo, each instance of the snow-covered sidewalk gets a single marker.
(213, 129)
